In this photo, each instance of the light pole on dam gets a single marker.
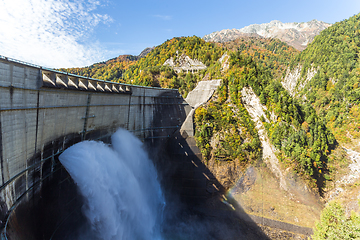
(42, 112)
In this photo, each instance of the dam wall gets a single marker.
(43, 111)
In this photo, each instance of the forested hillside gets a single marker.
(329, 81)
(334, 91)
(271, 54)
(149, 71)
(111, 70)
(295, 130)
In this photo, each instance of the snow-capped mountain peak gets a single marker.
(295, 34)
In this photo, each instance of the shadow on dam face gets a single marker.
(53, 203)
(196, 203)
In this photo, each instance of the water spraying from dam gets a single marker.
(123, 198)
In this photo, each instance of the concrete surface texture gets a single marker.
(197, 97)
(42, 111)
(202, 92)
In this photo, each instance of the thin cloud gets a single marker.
(52, 33)
(163, 17)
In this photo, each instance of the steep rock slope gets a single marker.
(256, 111)
(291, 80)
(298, 35)
(145, 52)
(184, 63)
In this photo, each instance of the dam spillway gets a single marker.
(43, 112)
(121, 188)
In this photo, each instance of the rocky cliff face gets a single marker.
(226, 35)
(298, 35)
(145, 52)
(293, 82)
(224, 61)
(184, 63)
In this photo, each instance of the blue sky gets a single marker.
(68, 33)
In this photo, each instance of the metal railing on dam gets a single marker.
(43, 111)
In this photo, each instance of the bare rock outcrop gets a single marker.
(293, 82)
(256, 110)
(184, 63)
(224, 60)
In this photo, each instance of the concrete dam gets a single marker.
(43, 112)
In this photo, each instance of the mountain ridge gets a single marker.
(298, 35)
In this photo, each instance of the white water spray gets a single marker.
(119, 183)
